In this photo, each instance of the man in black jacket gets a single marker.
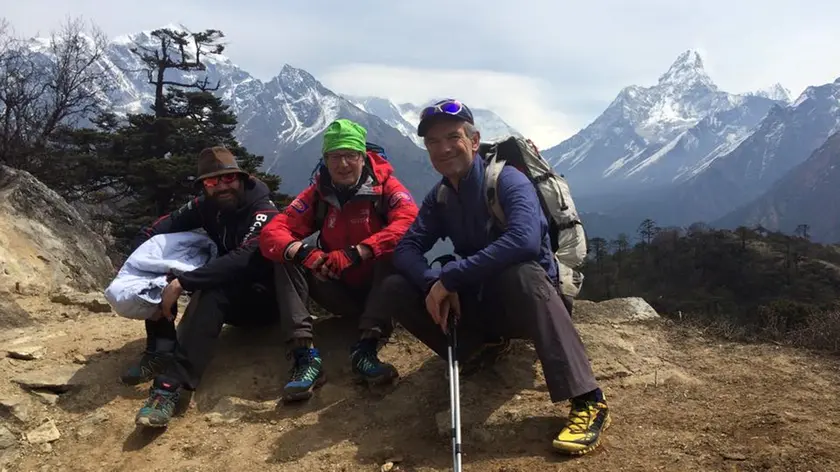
(235, 288)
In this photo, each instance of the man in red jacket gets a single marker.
(361, 210)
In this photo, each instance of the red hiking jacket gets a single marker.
(359, 220)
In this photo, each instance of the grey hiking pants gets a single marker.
(520, 302)
(295, 285)
(278, 294)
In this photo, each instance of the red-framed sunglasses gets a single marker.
(225, 178)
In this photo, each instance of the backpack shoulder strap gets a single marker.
(380, 205)
(440, 195)
(492, 171)
(320, 212)
(381, 208)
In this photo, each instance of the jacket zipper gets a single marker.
(224, 237)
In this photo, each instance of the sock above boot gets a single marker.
(594, 396)
(161, 336)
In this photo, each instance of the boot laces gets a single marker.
(366, 360)
(581, 416)
(301, 367)
(160, 399)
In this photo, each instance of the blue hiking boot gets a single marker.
(160, 406)
(306, 374)
(366, 364)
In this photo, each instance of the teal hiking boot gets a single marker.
(306, 374)
(151, 365)
(160, 406)
(366, 364)
(158, 355)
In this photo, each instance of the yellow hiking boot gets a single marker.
(587, 420)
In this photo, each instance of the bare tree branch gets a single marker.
(174, 53)
(46, 87)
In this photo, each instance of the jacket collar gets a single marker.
(367, 187)
(471, 182)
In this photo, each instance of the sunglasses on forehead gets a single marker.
(449, 107)
(225, 178)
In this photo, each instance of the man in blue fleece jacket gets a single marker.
(504, 286)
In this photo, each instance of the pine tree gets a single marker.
(146, 166)
(191, 122)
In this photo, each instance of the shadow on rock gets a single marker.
(95, 383)
(140, 438)
(244, 365)
(252, 365)
(412, 421)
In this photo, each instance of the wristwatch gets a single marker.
(302, 252)
(354, 254)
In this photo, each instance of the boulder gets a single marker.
(614, 311)
(57, 379)
(45, 243)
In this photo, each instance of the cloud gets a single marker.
(516, 98)
(551, 65)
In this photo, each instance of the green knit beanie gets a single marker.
(344, 134)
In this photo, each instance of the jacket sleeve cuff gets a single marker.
(273, 247)
(187, 283)
(374, 246)
(450, 276)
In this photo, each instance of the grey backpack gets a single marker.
(568, 239)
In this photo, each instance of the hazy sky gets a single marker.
(547, 67)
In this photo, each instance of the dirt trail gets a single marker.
(681, 402)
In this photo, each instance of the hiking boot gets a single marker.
(486, 355)
(161, 405)
(366, 364)
(587, 420)
(306, 374)
(151, 365)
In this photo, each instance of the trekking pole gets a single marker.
(454, 393)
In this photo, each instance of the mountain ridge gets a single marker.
(784, 138)
(805, 196)
(277, 118)
(406, 116)
(650, 135)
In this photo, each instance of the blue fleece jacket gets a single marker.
(464, 220)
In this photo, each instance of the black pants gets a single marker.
(249, 303)
(520, 302)
(296, 285)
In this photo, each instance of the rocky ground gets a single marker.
(680, 401)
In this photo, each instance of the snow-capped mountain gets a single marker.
(389, 113)
(661, 134)
(774, 92)
(281, 119)
(406, 116)
(781, 141)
